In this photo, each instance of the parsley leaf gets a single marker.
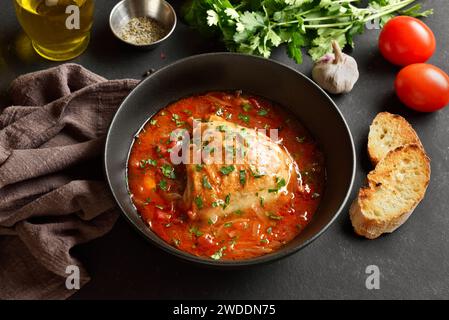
(227, 201)
(219, 254)
(145, 162)
(194, 230)
(242, 176)
(244, 117)
(206, 183)
(256, 174)
(280, 183)
(163, 185)
(222, 128)
(168, 171)
(227, 170)
(246, 107)
(199, 202)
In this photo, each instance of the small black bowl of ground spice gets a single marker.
(142, 23)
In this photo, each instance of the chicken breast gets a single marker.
(240, 168)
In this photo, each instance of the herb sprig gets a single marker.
(256, 27)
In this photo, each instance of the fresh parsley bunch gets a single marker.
(257, 26)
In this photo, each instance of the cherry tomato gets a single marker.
(406, 40)
(423, 87)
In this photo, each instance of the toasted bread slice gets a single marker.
(387, 132)
(395, 187)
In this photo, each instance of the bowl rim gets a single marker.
(169, 33)
(277, 255)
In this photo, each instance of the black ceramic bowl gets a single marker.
(262, 77)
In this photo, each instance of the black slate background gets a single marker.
(413, 261)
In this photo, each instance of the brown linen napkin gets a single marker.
(52, 192)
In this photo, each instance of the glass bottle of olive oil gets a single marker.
(59, 29)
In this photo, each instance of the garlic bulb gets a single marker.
(337, 72)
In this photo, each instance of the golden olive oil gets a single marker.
(58, 29)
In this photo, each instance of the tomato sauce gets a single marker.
(156, 185)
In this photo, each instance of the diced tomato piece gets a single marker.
(161, 215)
(192, 214)
(207, 241)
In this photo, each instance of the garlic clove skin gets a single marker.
(336, 73)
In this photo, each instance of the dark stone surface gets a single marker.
(413, 261)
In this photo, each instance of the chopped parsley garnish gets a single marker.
(300, 139)
(147, 201)
(264, 241)
(199, 202)
(163, 185)
(244, 117)
(175, 119)
(238, 212)
(209, 149)
(227, 224)
(144, 162)
(159, 207)
(188, 112)
(279, 184)
(222, 128)
(262, 112)
(206, 183)
(219, 254)
(225, 170)
(153, 122)
(199, 167)
(273, 216)
(242, 176)
(262, 201)
(246, 107)
(269, 230)
(168, 171)
(210, 221)
(227, 201)
(217, 203)
(256, 174)
(194, 230)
